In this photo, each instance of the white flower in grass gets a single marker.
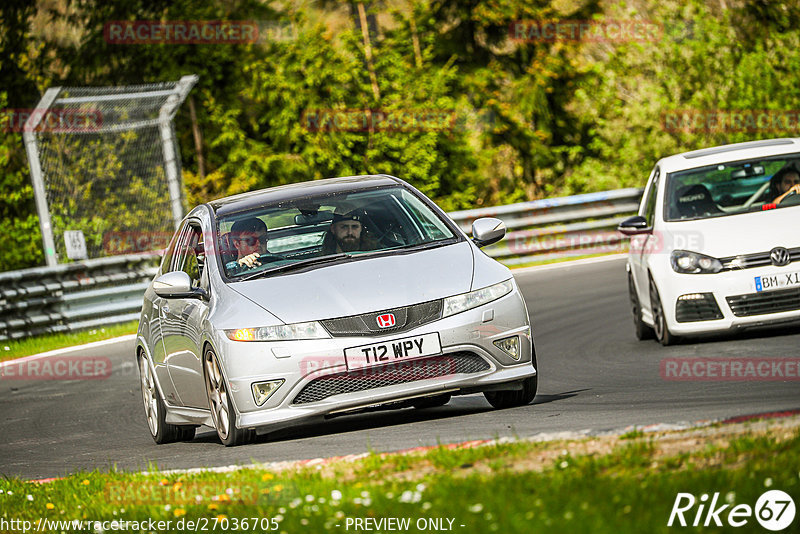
(167, 507)
(365, 495)
(730, 497)
(309, 498)
(407, 496)
(29, 497)
(421, 487)
(767, 482)
(476, 508)
(336, 495)
(426, 506)
(304, 522)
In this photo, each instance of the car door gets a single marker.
(643, 245)
(183, 339)
(155, 318)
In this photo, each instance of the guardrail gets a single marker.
(105, 291)
(74, 296)
(546, 229)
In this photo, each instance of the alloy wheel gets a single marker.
(149, 395)
(217, 395)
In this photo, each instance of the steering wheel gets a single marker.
(792, 199)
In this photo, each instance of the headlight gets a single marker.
(312, 330)
(693, 263)
(473, 299)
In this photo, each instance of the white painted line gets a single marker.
(67, 350)
(573, 263)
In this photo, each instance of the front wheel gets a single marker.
(156, 412)
(517, 397)
(219, 402)
(663, 335)
(641, 330)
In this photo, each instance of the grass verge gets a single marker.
(599, 485)
(18, 348)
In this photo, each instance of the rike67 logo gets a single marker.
(774, 510)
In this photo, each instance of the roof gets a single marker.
(734, 152)
(272, 195)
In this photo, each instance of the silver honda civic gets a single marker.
(311, 300)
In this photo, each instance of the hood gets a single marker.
(733, 235)
(363, 285)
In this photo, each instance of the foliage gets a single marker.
(527, 118)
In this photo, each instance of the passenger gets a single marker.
(347, 234)
(249, 238)
(785, 182)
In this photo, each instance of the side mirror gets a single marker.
(488, 230)
(634, 225)
(176, 284)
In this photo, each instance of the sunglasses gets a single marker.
(251, 240)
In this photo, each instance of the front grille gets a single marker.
(366, 324)
(389, 375)
(701, 308)
(765, 302)
(758, 259)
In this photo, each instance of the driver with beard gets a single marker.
(347, 234)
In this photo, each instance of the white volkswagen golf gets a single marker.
(716, 243)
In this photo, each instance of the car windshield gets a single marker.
(730, 188)
(325, 230)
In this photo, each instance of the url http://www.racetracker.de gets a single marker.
(201, 524)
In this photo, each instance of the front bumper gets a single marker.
(735, 293)
(301, 362)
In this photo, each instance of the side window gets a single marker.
(189, 253)
(166, 261)
(649, 211)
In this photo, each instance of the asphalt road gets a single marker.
(594, 375)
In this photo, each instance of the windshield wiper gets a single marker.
(295, 265)
(429, 244)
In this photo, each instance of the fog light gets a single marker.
(509, 345)
(264, 390)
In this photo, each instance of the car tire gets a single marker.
(156, 412)
(219, 402)
(516, 397)
(660, 328)
(433, 402)
(641, 330)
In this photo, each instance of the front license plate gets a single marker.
(777, 281)
(396, 350)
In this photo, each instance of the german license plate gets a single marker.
(777, 281)
(397, 350)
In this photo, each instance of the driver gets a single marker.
(785, 182)
(249, 238)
